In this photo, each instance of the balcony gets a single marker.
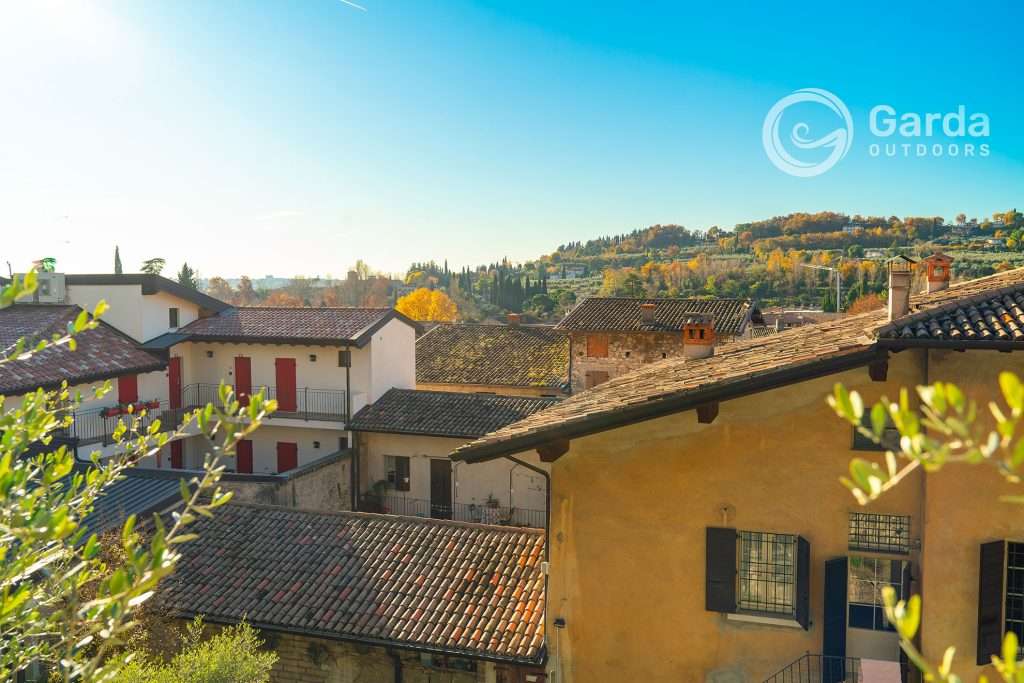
(307, 403)
(459, 512)
(97, 425)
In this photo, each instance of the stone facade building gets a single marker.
(611, 336)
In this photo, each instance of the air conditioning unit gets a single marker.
(50, 289)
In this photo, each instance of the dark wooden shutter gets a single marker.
(803, 582)
(833, 636)
(720, 573)
(907, 588)
(990, 600)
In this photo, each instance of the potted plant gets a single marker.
(153, 405)
(492, 502)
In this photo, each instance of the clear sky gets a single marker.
(295, 137)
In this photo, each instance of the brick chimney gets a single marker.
(699, 336)
(513, 320)
(938, 271)
(901, 271)
(647, 313)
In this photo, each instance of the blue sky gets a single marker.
(296, 137)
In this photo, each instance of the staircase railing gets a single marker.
(819, 669)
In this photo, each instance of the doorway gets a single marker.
(440, 488)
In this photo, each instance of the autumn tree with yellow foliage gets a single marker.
(428, 304)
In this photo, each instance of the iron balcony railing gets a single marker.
(305, 404)
(97, 425)
(459, 512)
(811, 668)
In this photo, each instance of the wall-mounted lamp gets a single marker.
(312, 358)
(209, 354)
(316, 444)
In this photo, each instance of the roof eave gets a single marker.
(674, 404)
(378, 642)
(899, 343)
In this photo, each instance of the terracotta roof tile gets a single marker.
(102, 353)
(315, 325)
(444, 413)
(391, 569)
(520, 355)
(619, 314)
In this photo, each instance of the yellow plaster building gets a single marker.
(699, 531)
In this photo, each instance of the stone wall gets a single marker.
(321, 485)
(303, 659)
(626, 352)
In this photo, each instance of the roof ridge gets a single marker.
(461, 394)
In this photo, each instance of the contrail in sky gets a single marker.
(352, 4)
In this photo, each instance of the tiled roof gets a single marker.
(295, 325)
(762, 331)
(616, 314)
(444, 413)
(102, 353)
(150, 284)
(522, 355)
(139, 492)
(422, 584)
(743, 366)
(997, 316)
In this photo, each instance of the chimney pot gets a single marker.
(647, 312)
(938, 272)
(513, 319)
(699, 336)
(900, 272)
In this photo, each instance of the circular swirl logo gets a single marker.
(836, 142)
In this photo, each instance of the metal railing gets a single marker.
(459, 512)
(97, 425)
(827, 669)
(309, 404)
(819, 669)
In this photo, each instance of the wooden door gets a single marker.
(243, 379)
(128, 389)
(440, 488)
(244, 456)
(174, 382)
(284, 371)
(177, 455)
(287, 456)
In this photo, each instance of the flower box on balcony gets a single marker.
(152, 405)
(112, 411)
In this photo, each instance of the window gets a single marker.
(879, 533)
(866, 578)
(1000, 596)
(597, 345)
(767, 574)
(172, 317)
(398, 471)
(890, 437)
(760, 574)
(594, 377)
